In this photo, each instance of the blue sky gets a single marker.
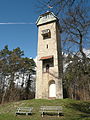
(19, 35)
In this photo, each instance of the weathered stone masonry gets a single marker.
(49, 59)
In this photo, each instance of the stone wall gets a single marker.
(42, 78)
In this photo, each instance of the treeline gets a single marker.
(76, 78)
(16, 75)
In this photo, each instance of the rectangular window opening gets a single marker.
(46, 34)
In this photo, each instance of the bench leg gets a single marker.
(58, 114)
(26, 113)
(42, 114)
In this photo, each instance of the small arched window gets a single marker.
(47, 68)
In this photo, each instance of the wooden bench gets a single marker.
(51, 109)
(24, 110)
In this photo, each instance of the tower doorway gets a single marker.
(52, 89)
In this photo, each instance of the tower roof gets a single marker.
(46, 18)
(47, 57)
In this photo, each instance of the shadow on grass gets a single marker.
(85, 115)
(54, 114)
(82, 107)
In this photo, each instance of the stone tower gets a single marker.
(49, 59)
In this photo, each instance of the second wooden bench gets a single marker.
(51, 109)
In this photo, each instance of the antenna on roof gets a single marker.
(49, 7)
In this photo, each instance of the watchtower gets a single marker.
(49, 58)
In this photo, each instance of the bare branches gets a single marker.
(57, 5)
(75, 26)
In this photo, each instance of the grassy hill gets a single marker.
(73, 110)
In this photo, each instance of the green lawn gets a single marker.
(73, 110)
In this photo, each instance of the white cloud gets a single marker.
(87, 52)
(35, 60)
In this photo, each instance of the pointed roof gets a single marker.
(46, 18)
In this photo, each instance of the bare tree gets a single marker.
(75, 27)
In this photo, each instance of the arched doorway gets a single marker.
(52, 89)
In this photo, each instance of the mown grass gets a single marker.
(72, 109)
